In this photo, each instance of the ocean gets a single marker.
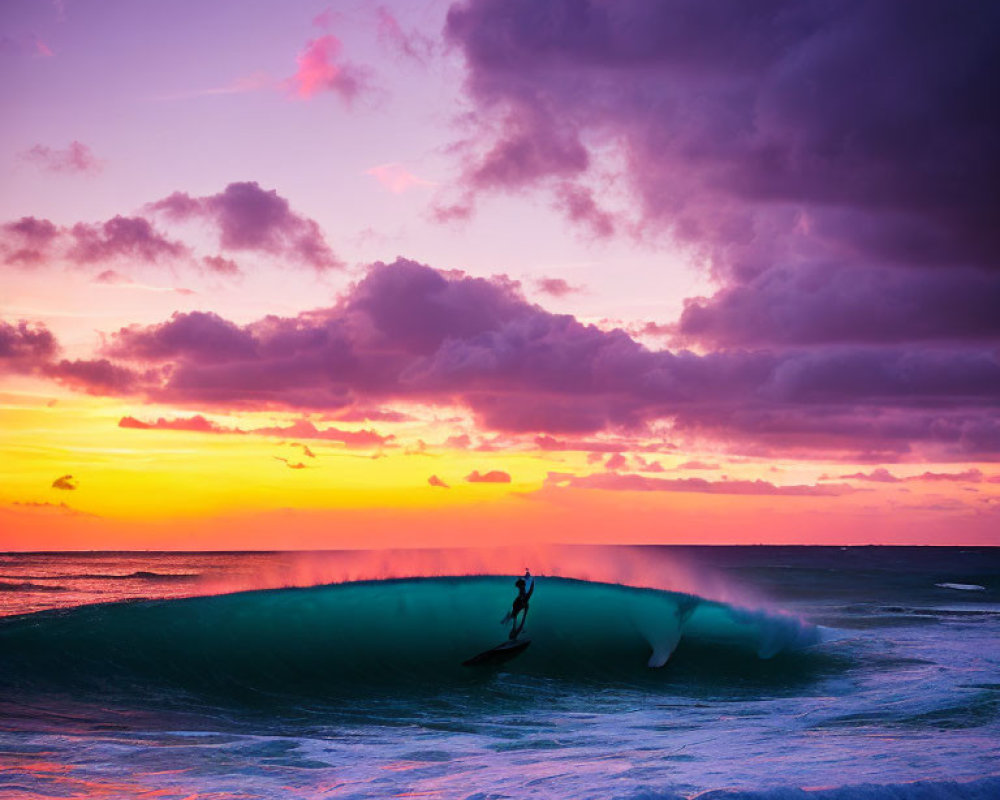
(653, 673)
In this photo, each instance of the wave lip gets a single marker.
(333, 639)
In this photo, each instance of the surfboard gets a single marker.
(499, 654)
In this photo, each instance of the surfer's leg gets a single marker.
(518, 628)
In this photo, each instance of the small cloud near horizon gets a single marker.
(493, 476)
(66, 483)
(556, 287)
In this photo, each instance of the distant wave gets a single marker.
(159, 576)
(27, 586)
(338, 638)
(140, 575)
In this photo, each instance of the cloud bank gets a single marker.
(407, 332)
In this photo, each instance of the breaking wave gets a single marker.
(337, 639)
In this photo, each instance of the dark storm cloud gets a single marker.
(836, 162)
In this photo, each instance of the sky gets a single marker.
(306, 275)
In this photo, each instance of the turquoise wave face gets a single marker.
(381, 636)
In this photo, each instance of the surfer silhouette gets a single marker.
(525, 586)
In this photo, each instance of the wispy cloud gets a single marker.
(76, 158)
(396, 178)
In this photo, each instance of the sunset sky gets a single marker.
(306, 275)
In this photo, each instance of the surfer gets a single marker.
(525, 586)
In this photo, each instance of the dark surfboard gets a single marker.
(499, 654)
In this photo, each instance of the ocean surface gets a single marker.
(723, 673)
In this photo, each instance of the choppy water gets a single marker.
(863, 672)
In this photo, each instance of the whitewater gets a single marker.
(797, 674)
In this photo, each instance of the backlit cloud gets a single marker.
(321, 69)
(406, 332)
(493, 476)
(396, 178)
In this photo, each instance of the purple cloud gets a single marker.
(129, 237)
(32, 231)
(834, 164)
(25, 347)
(253, 219)
(434, 480)
(556, 287)
(197, 335)
(730, 117)
(76, 158)
(27, 242)
(830, 303)
(578, 204)
(30, 242)
(409, 333)
(97, 376)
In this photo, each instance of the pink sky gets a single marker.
(440, 243)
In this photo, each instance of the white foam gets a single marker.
(962, 587)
